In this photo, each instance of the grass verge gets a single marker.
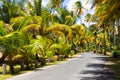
(18, 71)
(8, 75)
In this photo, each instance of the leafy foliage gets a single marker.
(33, 31)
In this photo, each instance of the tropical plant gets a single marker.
(105, 18)
(78, 9)
(33, 7)
(10, 9)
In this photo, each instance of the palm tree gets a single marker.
(53, 5)
(16, 37)
(79, 33)
(11, 39)
(78, 8)
(69, 20)
(34, 7)
(88, 17)
(10, 46)
(66, 17)
(59, 29)
(102, 9)
(10, 9)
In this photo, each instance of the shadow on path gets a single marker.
(100, 70)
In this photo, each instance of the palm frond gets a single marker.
(23, 23)
(2, 31)
(55, 46)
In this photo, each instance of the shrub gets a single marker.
(116, 53)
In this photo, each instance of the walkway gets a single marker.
(88, 66)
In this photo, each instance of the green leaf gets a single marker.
(23, 23)
(55, 46)
(2, 31)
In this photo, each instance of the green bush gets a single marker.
(116, 53)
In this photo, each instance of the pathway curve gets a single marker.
(88, 66)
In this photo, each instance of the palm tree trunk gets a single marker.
(114, 38)
(118, 33)
(38, 7)
(104, 42)
(109, 38)
(22, 65)
(117, 23)
(11, 64)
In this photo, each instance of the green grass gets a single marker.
(18, 71)
(8, 75)
(3, 77)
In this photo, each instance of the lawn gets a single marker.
(3, 77)
(18, 71)
(7, 75)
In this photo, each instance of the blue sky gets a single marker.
(69, 4)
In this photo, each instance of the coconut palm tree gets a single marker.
(63, 13)
(88, 17)
(10, 9)
(53, 5)
(10, 46)
(79, 33)
(102, 9)
(16, 37)
(63, 30)
(34, 7)
(78, 9)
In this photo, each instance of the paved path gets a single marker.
(88, 66)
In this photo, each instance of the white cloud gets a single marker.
(45, 2)
(70, 4)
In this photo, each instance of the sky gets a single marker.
(69, 5)
(85, 5)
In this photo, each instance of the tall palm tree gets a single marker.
(102, 9)
(88, 17)
(65, 15)
(53, 5)
(78, 9)
(34, 7)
